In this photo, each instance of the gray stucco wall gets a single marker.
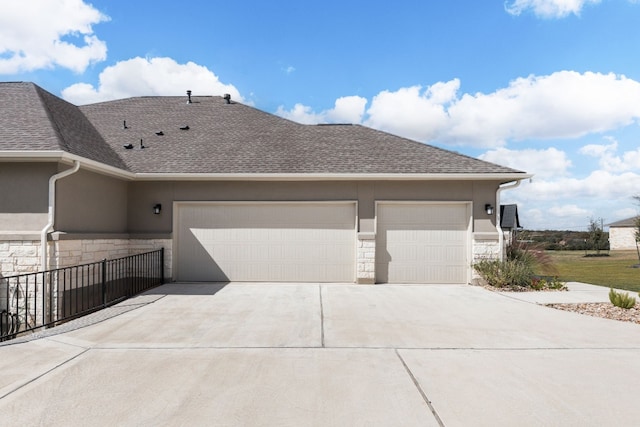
(144, 195)
(24, 200)
(88, 202)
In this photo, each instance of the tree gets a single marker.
(597, 237)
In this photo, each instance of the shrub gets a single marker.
(500, 274)
(622, 300)
(534, 256)
(556, 284)
(516, 273)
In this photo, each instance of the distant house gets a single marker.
(236, 194)
(622, 234)
(509, 222)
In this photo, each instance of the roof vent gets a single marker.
(185, 127)
(227, 97)
(188, 97)
(128, 146)
(124, 124)
(141, 144)
(160, 133)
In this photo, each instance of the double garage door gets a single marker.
(316, 242)
(266, 242)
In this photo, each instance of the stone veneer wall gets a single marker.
(366, 258)
(23, 256)
(622, 238)
(485, 246)
(19, 256)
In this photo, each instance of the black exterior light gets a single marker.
(157, 208)
(488, 209)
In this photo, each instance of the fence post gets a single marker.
(104, 282)
(162, 265)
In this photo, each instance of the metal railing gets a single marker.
(43, 299)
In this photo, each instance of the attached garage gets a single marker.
(420, 242)
(265, 241)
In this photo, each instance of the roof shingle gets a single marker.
(222, 138)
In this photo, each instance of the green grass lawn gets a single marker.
(613, 271)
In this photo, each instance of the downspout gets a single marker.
(52, 212)
(507, 186)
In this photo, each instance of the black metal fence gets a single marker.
(47, 298)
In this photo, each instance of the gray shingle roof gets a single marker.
(222, 138)
(509, 217)
(32, 119)
(629, 222)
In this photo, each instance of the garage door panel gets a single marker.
(422, 242)
(266, 242)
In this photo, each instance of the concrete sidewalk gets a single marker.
(326, 355)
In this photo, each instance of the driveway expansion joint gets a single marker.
(43, 374)
(420, 390)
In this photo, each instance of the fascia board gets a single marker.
(93, 165)
(505, 177)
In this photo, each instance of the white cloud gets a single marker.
(571, 211)
(547, 163)
(599, 150)
(144, 77)
(37, 34)
(565, 104)
(301, 114)
(348, 109)
(548, 8)
(600, 186)
(608, 158)
(568, 202)
(413, 112)
(623, 214)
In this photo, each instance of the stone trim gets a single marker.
(366, 258)
(23, 256)
(19, 256)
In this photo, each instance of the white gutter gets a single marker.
(507, 186)
(328, 176)
(93, 165)
(64, 157)
(52, 211)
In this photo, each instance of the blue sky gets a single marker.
(551, 87)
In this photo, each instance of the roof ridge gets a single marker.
(52, 122)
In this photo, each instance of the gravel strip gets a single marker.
(605, 310)
(602, 309)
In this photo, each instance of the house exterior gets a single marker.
(622, 234)
(236, 194)
(509, 222)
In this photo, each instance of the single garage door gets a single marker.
(259, 242)
(422, 242)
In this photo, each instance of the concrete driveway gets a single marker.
(326, 355)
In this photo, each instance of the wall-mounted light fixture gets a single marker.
(157, 208)
(488, 208)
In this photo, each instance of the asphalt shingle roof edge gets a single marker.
(345, 149)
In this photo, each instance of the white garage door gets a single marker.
(422, 242)
(259, 242)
